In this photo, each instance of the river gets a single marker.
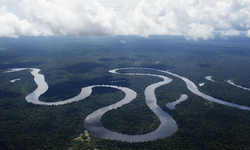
(168, 125)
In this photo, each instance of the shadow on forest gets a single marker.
(156, 66)
(204, 65)
(20, 65)
(125, 58)
(105, 59)
(9, 94)
(72, 88)
(103, 90)
(84, 67)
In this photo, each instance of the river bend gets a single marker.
(168, 125)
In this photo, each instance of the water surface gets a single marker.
(168, 125)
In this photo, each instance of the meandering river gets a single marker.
(92, 122)
(231, 82)
(178, 101)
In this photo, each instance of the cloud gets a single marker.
(248, 33)
(70, 18)
(194, 19)
(199, 31)
(124, 42)
(231, 32)
(2, 48)
(11, 26)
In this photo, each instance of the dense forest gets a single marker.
(70, 64)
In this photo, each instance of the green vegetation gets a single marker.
(72, 63)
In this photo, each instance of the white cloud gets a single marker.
(70, 18)
(11, 26)
(124, 42)
(248, 33)
(231, 32)
(195, 19)
(2, 47)
(197, 31)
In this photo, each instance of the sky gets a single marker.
(193, 19)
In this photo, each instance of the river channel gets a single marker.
(92, 122)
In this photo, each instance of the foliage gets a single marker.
(72, 63)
